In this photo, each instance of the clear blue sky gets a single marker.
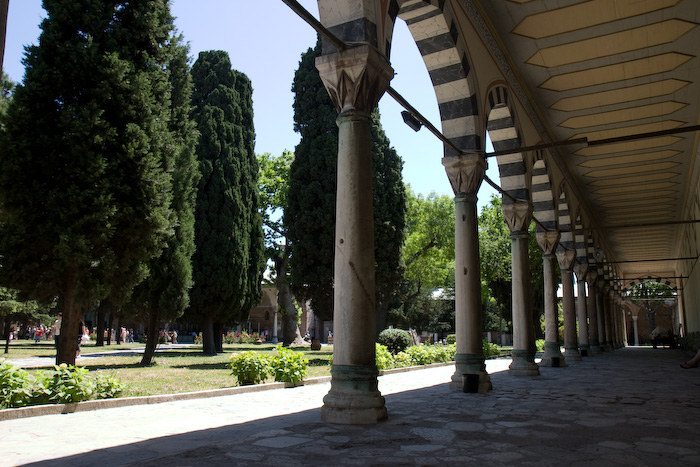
(265, 39)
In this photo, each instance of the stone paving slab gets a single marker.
(634, 406)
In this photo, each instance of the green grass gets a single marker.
(174, 370)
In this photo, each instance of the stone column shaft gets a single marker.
(636, 329)
(552, 355)
(355, 79)
(466, 174)
(581, 309)
(592, 307)
(566, 260)
(518, 216)
(600, 307)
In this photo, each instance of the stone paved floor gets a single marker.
(634, 406)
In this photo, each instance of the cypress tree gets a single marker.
(228, 262)
(310, 213)
(164, 295)
(85, 196)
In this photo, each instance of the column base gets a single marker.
(552, 355)
(585, 350)
(470, 364)
(523, 363)
(354, 398)
(595, 349)
(572, 354)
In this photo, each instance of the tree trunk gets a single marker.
(6, 333)
(110, 323)
(118, 336)
(208, 344)
(219, 336)
(101, 313)
(152, 339)
(68, 339)
(285, 304)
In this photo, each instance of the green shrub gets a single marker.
(490, 349)
(251, 367)
(395, 340)
(451, 339)
(539, 345)
(69, 384)
(421, 354)
(402, 360)
(444, 353)
(289, 366)
(66, 384)
(383, 357)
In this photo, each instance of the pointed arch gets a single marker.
(433, 28)
(502, 127)
(580, 240)
(567, 237)
(544, 208)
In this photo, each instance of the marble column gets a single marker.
(274, 328)
(592, 307)
(548, 241)
(607, 301)
(636, 329)
(566, 260)
(581, 309)
(600, 306)
(355, 79)
(518, 216)
(466, 174)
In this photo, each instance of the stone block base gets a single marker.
(523, 364)
(354, 398)
(470, 364)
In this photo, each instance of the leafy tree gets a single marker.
(85, 195)
(494, 249)
(228, 262)
(13, 309)
(273, 183)
(310, 213)
(428, 255)
(7, 87)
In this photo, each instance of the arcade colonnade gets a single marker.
(473, 96)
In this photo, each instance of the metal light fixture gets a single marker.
(410, 120)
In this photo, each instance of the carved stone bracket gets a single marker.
(355, 78)
(566, 258)
(465, 172)
(548, 241)
(518, 215)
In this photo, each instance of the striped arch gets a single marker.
(360, 22)
(433, 28)
(504, 135)
(590, 251)
(567, 237)
(580, 241)
(544, 209)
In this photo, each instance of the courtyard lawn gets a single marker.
(174, 370)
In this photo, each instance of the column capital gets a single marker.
(581, 270)
(466, 172)
(591, 277)
(548, 241)
(355, 78)
(518, 215)
(566, 258)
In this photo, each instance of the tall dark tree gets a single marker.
(164, 295)
(228, 262)
(310, 213)
(85, 196)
